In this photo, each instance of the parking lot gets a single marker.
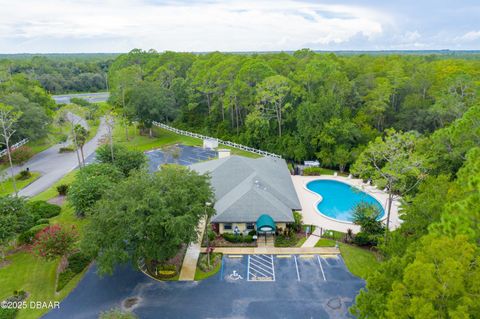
(188, 155)
(247, 286)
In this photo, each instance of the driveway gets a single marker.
(54, 165)
(291, 287)
(90, 97)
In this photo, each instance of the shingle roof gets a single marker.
(246, 188)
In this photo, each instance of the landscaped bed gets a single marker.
(168, 270)
(203, 271)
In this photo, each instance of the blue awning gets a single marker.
(265, 223)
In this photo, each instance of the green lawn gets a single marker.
(6, 187)
(324, 242)
(162, 138)
(361, 262)
(33, 274)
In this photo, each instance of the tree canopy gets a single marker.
(147, 216)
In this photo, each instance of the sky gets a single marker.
(66, 26)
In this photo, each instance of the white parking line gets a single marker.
(260, 268)
(296, 265)
(321, 268)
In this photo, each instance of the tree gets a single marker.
(392, 163)
(147, 216)
(54, 241)
(14, 219)
(8, 118)
(367, 215)
(124, 159)
(151, 102)
(81, 136)
(90, 184)
(271, 98)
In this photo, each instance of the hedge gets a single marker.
(237, 238)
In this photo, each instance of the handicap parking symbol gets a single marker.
(235, 275)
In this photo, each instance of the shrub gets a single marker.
(41, 209)
(54, 241)
(76, 264)
(166, 271)
(297, 224)
(63, 278)
(43, 221)
(237, 238)
(365, 239)
(11, 313)
(24, 175)
(215, 258)
(27, 237)
(211, 235)
(62, 189)
(313, 171)
(252, 233)
(21, 154)
(66, 149)
(285, 241)
(124, 159)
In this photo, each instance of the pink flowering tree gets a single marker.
(54, 241)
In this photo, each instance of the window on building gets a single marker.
(227, 226)
(250, 226)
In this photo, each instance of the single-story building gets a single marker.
(247, 188)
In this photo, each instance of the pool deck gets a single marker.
(308, 201)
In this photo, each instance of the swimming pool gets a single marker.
(339, 199)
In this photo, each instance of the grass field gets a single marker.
(162, 138)
(324, 242)
(361, 262)
(6, 187)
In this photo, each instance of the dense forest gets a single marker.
(60, 73)
(410, 123)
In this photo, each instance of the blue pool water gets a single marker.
(339, 199)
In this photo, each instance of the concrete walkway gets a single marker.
(276, 250)
(313, 238)
(53, 165)
(189, 266)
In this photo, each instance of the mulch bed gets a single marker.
(176, 260)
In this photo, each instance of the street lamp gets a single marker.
(207, 204)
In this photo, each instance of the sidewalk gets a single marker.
(313, 238)
(189, 266)
(276, 250)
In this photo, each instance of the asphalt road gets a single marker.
(54, 165)
(90, 97)
(311, 287)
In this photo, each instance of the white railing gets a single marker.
(14, 147)
(227, 143)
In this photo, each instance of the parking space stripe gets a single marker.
(321, 268)
(254, 266)
(262, 263)
(273, 270)
(296, 265)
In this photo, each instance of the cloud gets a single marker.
(185, 26)
(471, 36)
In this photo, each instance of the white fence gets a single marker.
(14, 147)
(227, 143)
